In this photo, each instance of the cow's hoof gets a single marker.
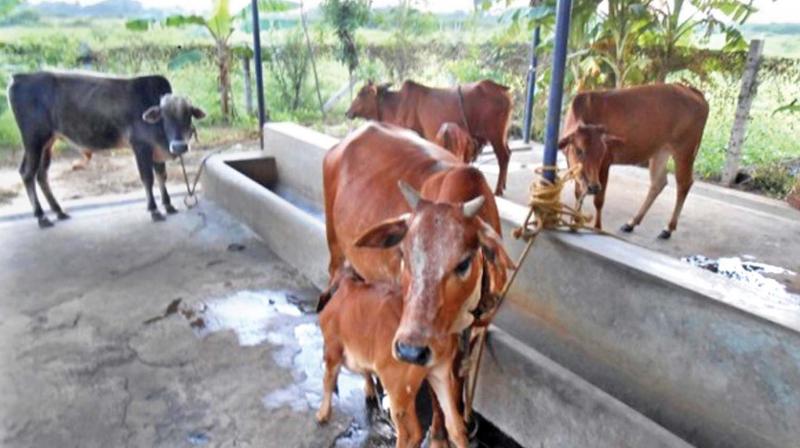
(627, 228)
(664, 235)
(170, 209)
(62, 216)
(44, 222)
(323, 416)
(157, 216)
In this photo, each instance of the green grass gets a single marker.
(771, 141)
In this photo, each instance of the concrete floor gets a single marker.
(716, 222)
(85, 360)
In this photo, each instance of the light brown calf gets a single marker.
(455, 139)
(631, 126)
(358, 325)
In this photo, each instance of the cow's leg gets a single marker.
(683, 181)
(144, 161)
(44, 182)
(370, 395)
(333, 363)
(658, 180)
(444, 385)
(402, 397)
(438, 435)
(600, 197)
(160, 169)
(503, 154)
(34, 146)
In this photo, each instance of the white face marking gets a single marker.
(429, 259)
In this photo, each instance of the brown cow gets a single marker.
(357, 309)
(482, 108)
(633, 126)
(455, 223)
(455, 139)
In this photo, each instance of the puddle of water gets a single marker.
(303, 354)
(248, 313)
(275, 317)
(746, 271)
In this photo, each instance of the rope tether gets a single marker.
(546, 212)
(191, 200)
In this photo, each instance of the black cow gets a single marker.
(99, 112)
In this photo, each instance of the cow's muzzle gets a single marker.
(178, 147)
(593, 189)
(412, 354)
(350, 115)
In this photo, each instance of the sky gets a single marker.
(783, 11)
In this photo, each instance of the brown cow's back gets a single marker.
(361, 174)
(648, 117)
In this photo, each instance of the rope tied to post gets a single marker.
(546, 211)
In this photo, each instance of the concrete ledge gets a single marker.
(295, 236)
(538, 402)
(299, 151)
(712, 362)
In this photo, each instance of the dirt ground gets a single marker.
(109, 172)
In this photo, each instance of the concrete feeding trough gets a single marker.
(605, 344)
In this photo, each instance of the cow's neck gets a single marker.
(388, 108)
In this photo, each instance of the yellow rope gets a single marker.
(546, 209)
(546, 212)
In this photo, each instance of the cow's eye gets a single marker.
(462, 268)
(581, 153)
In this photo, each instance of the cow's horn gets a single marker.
(411, 195)
(473, 206)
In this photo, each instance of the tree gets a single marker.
(346, 16)
(219, 25)
(635, 41)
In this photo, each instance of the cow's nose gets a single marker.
(178, 147)
(593, 189)
(412, 354)
(349, 115)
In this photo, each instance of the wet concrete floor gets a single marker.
(117, 332)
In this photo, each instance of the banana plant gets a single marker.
(219, 25)
(6, 7)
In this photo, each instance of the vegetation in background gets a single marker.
(466, 49)
(345, 16)
(626, 42)
(219, 25)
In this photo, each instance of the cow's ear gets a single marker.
(497, 260)
(386, 234)
(612, 141)
(565, 140)
(152, 115)
(198, 113)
